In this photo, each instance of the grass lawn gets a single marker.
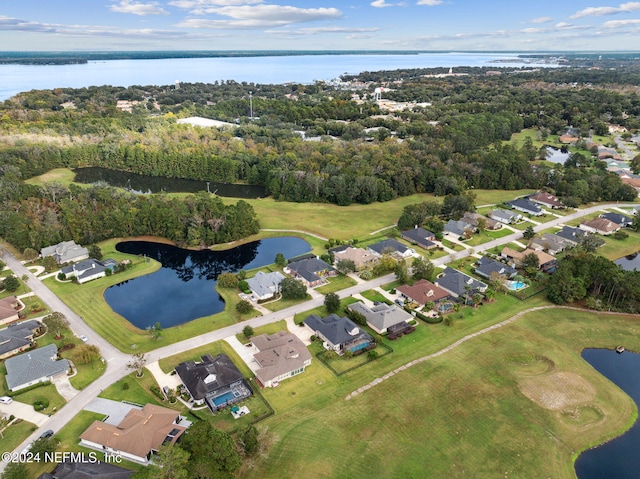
(13, 435)
(284, 303)
(138, 391)
(322, 310)
(494, 197)
(453, 246)
(486, 236)
(270, 328)
(336, 283)
(480, 410)
(49, 392)
(614, 249)
(375, 296)
(219, 347)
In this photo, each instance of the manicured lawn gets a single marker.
(467, 409)
(87, 373)
(336, 283)
(270, 328)
(138, 391)
(614, 249)
(485, 236)
(284, 303)
(375, 296)
(15, 434)
(453, 246)
(494, 197)
(63, 176)
(49, 392)
(322, 311)
(219, 347)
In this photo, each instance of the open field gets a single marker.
(518, 401)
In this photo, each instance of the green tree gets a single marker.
(85, 353)
(213, 452)
(384, 264)
(29, 254)
(332, 302)
(228, 280)
(250, 441)
(530, 262)
(292, 288)
(42, 446)
(345, 266)
(155, 330)
(56, 322)
(528, 233)
(95, 252)
(170, 462)
(137, 363)
(280, 260)
(16, 470)
(244, 307)
(401, 271)
(422, 269)
(247, 331)
(11, 283)
(49, 263)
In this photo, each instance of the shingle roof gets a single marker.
(617, 218)
(265, 283)
(601, 224)
(457, 282)
(34, 365)
(381, 316)
(85, 268)
(209, 375)
(503, 214)
(388, 245)
(308, 268)
(336, 329)
(279, 354)
(487, 265)
(423, 291)
(7, 309)
(64, 251)
(419, 235)
(457, 227)
(525, 204)
(545, 198)
(572, 234)
(17, 335)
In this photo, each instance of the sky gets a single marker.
(453, 25)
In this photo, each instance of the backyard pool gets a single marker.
(445, 307)
(516, 285)
(226, 397)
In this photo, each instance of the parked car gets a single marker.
(46, 434)
(6, 400)
(84, 338)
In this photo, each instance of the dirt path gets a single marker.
(458, 343)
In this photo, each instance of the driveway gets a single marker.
(114, 410)
(64, 387)
(23, 411)
(163, 379)
(246, 353)
(302, 332)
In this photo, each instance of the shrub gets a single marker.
(40, 404)
(156, 390)
(125, 386)
(247, 331)
(243, 285)
(373, 354)
(244, 307)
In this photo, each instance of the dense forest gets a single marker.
(325, 142)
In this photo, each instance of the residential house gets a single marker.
(311, 271)
(546, 199)
(546, 262)
(420, 236)
(65, 252)
(214, 381)
(383, 316)
(10, 308)
(362, 258)
(505, 216)
(551, 243)
(474, 219)
(265, 285)
(422, 292)
(32, 367)
(568, 139)
(631, 181)
(459, 228)
(138, 436)
(604, 153)
(87, 470)
(339, 334)
(88, 269)
(391, 246)
(460, 285)
(17, 337)
(526, 206)
(280, 356)
(600, 225)
(623, 220)
(486, 266)
(571, 235)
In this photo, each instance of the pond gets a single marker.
(183, 289)
(619, 458)
(154, 184)
(555, 155)
(629, 263)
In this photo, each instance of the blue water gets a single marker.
(619, 458)
(183, 289)
(276, 69)
(516, 285)
(220, 400)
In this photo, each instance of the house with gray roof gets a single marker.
(17, 337)
(214, 381)
(37, 366)
(505, 216)
(391, 246)
(486, 266)
(458, 228)
(311, 271)
(65, 252)
(551, 243)
(526, 206)
(419, 236)
(459, 284)
(571, 234)
(381, 317)
(279, 356)
(265, 285)
(88, 269)
(339, 334)
(622, 220)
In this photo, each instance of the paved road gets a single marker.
(117, 361)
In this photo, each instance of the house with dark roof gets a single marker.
(311, 271)
(600, 225)
(546, 199)
(551, 243)
(65, 252)
(391, 246)
(17, 337)
(139, 435)
(381, 317)
(10, 308)
(422, 292)
(622, 220)
(460, 285)
(362, 258)
(486, 266)
(505, 216)
(214, 381)
(36, 366)
(420, 236)
(526, 206)
(339, 334)
(87, 470)
(279, 356)
(88, 269)
(458, 228)
(265, 285)
(573, 235)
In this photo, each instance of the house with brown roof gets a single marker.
(600, 225)
(361, 258)
(546, 199)
(422, 292)
(546, 262)
(634, 182)
(10, 309)
(568, 139)
(474, 219)
(138, 435)
(279, 356)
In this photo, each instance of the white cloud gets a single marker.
(600, 11)
(382, 4)
(127, 6)
(541, 20)
(611, 24)
(199, 4)
(430, 3)
(261, 16)
(318, 30)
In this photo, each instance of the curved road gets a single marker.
(117, 361)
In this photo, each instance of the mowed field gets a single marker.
(516, 402)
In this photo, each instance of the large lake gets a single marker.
(629, 263)
(272, 69)
(183, 289)
(619, 458)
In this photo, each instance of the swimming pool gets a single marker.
(226, 397)
(516, 285)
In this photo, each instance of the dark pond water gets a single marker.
(153, 184)
(619, 458)
(554, 155)
(629, 263)
(184, 288)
